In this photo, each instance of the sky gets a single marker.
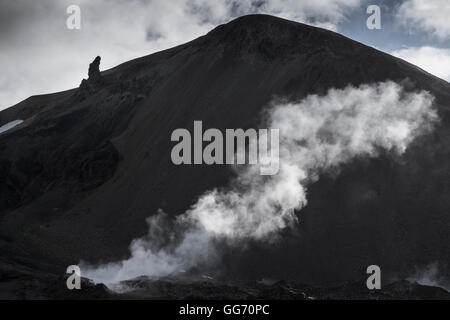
(40, 54)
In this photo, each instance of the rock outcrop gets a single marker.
(94, 69)
(94, 78)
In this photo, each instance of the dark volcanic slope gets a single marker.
(81, 174)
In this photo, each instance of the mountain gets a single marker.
(87, 166)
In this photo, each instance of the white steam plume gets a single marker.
(429, 275)
(316, 134)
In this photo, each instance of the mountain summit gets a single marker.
(86, 168)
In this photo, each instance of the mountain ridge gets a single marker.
(241, 22)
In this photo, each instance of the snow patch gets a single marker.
(10, 125)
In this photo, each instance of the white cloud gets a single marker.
(40, 55)
(431, 16)
(430, 59)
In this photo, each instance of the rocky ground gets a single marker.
(22, 283)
